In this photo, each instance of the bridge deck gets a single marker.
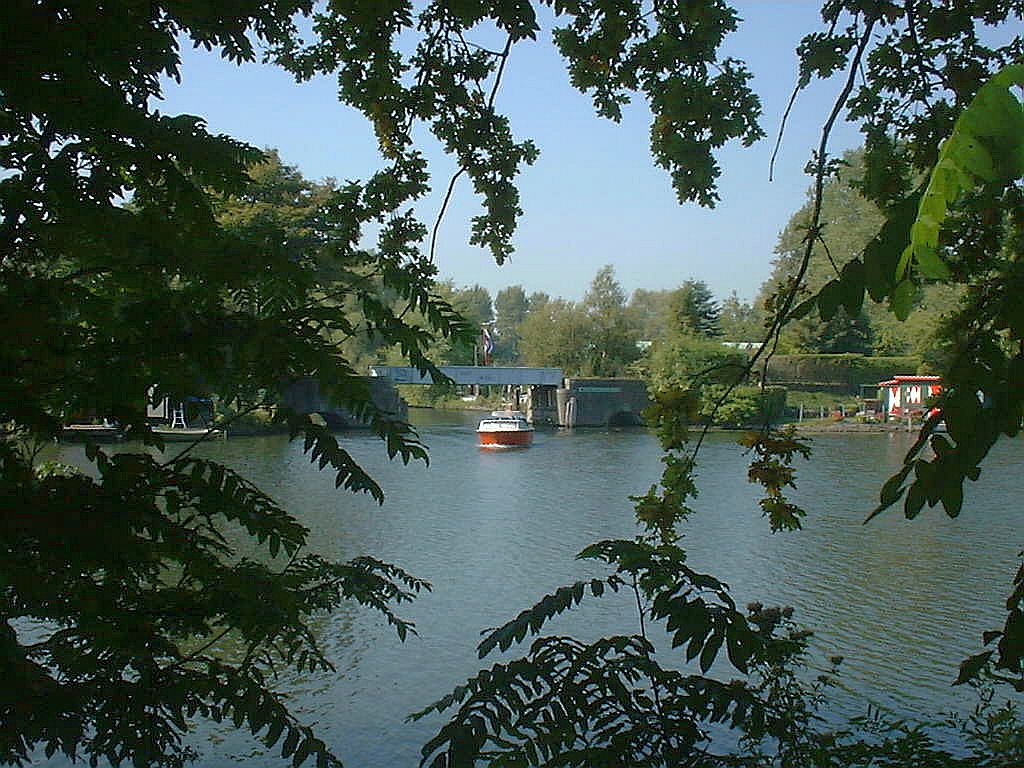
(471, 374)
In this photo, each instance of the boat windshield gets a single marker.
(505, 419)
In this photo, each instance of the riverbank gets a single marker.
(819, 427)
(809, 426)
(468, 406)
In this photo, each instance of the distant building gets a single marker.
(746, 346)
(908, 395)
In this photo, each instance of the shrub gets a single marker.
(745, 406)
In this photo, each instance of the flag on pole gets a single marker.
(488, 345)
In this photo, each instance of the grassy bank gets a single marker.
(448, 398)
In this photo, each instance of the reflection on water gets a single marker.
(493, 531)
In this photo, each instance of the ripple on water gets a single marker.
(493, 532)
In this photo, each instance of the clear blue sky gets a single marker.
(594, 196)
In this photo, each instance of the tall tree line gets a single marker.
(604, 334)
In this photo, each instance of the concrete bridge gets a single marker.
(473, 374)
(544, 394)
(304, 396)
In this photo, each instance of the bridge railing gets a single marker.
(471, 374)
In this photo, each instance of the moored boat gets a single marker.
(186, 434)
(92, 433)
(505, 429)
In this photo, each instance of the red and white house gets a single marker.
(908, 395)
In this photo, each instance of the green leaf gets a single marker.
(953, 496)
(273, 733)
(973, 157)
(883, 253)
(738, 647)
(851, 287)
(990, 636)
(532, 620)
(307, 747)
(893, 488)
(966, 162)
(291, 741)
(829, 298)
(915, 500)
(802, 309)
(711, 648)
(971, 666)
(902, 299)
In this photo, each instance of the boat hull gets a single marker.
(186, 435)
(91, 433)
(506, 439)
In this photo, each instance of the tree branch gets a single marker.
(462, 168)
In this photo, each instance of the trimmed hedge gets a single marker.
(847, 370)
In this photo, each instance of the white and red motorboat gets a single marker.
(505, 429)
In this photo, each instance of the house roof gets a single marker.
(908, 379)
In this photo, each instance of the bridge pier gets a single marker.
(590, 402)
(540, 404)
(544, 395)
(304, 396)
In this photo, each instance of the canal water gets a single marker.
(901, 600)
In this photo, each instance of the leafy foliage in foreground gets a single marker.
(116, 589)
(919, 64)
(141, 254)
(941, 116)
(99, 301)
(132, 613)
(576, 704)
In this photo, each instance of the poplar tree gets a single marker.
(611, 339)
(510, 308)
